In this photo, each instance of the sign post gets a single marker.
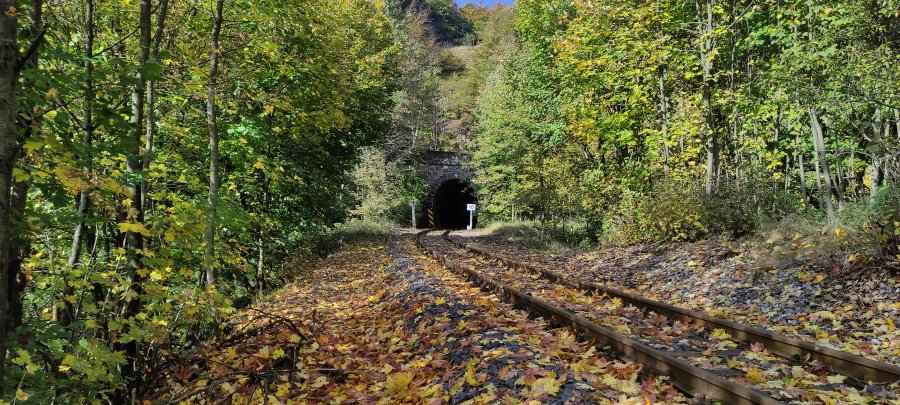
(471, 209)
(413, 205)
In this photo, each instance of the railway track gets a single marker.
(704, 356)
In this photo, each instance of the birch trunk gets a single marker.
(821, 160)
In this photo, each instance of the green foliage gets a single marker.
(448, 26)
(297, 106)
(648, 101)
(384, 189)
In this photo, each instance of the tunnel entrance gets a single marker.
(450, 201)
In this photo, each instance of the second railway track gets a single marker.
(703, 356)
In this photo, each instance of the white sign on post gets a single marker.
(471, 209)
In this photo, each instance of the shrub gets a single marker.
(672, 212)
(668, 213)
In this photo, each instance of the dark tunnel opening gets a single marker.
(450, 202)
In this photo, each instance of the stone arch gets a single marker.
(448, 175)
(449, 190)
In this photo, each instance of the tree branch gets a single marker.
(31, 50)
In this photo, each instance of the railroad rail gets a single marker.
(689, 378)
(858, 367)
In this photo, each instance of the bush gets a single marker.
(734, 212)
(672, 212)
(669, 213)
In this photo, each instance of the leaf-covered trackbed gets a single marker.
(715, 350)
(855, 311)
(377, 323)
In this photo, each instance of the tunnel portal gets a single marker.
(450, 202)
(449, 190)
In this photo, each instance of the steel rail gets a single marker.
(858, 367)
(688, 378)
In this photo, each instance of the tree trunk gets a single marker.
(260, 265)
(150, 137)
(214, 180)
(87, 137)
(839, 186)
(802, 174)
(135, 241)
(664, 112)
(9, 150)
(712, 141)
(819, 194)
(20, 246)
(874, 166)
(821, 160)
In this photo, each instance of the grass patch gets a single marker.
(558, 237)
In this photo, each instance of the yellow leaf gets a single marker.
(721, 334)
(836, 379)
(547, 384)
(826, 314)
(20, 175)
(137, 227)
(755, 376)
(440, 300)
(259, 165)
(22, 395)
(32, 145)
(320, 382)
(398, 382)
(69, 360)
